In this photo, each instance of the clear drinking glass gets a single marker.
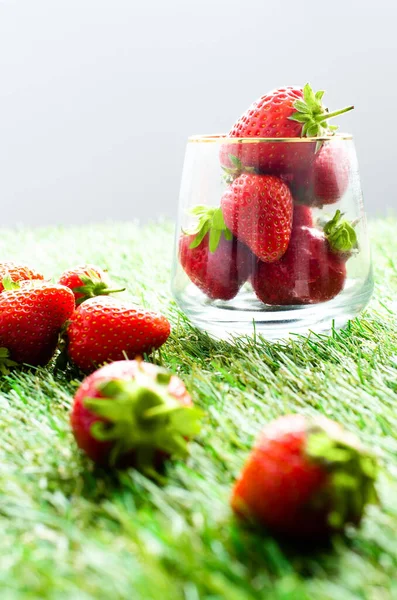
(271, 236)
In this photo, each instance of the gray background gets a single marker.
(97, 97)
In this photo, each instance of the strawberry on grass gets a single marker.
(17, 272)
(87, 281)
(305, 478)
(133, 413)
(104, 329)
(32, 315)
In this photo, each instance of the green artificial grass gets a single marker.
(70, 531)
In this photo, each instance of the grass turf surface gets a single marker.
(72, 532)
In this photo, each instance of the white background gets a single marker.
(97, 97)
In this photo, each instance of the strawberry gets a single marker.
(312, 270)
(287, 112)
(104, 329)
(326, 180)
(303, 217)
(305, 478)
(17, 272)
(132, 413)
(31, 318)
(258, 211)
(87, 281)
(218, 274)
(216, 262)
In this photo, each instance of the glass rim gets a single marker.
(224, 139)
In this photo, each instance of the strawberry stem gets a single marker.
(95, 291)
(336, 113)
(93, 285)
(310, 112)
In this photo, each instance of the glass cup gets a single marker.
(271, 236)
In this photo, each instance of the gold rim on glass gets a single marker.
(222, 138)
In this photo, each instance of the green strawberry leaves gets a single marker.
(210, 220)
(235, 161)
(142, 416)
(231, 173)
(9, 284)
(352, 474)
(93, 285)
(313, 115)
(340, 234)
(215, 237)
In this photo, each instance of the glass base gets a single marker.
(245, 315)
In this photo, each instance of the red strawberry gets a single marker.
(330, 173)
(305, 477)
(258, 211)
(218, 274)
(17, 272)
(87, 281)
(31, 319)
(287, 112)
(303, 216)
(326, 180)
(214, 260)
(133, 413)
(312, 270)
(104, 329)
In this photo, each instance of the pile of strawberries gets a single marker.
(77, 313)
(305, 477)
(127, 412)
(263, 231)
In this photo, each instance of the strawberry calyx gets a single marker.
(351, 469)
(5, 361)
(141, 416)
(311, 112)
(93, 285)
(340, 234)
(9, 284)
(231, 173)
(210, 221)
